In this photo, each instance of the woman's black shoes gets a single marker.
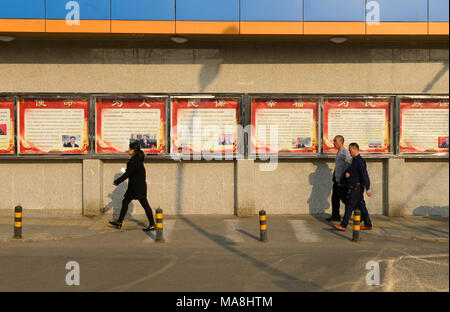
(117, 225)
(150, 228)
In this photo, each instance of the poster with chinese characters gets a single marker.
(363, 121)
(122, 121)
(7, 145)
(424, 125)
(284, 125)
(53, 125)
(204, 125)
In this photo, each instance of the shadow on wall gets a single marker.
(209, 71)
(436, 78)
(431, 211)
(321, 181)
(212, 63)
(116, 199)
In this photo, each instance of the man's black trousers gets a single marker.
(356, 201)
(339, 193)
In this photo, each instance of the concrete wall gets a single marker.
(400, 187)
(50, 186)
(178, 188)
(406, 66)
(305, 187)
(426, 188)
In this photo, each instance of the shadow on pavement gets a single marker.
(288, 282)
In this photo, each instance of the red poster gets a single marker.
(424, 125)
(122, 121)
(204, 125)
(53, 125)
(7, 145)
(363, 121)
(294, 121)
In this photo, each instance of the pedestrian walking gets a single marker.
(340, 187)
(137, 186)
(358, 180)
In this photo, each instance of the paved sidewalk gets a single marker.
(303, 228)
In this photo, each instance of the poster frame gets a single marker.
(50, 96)
(398, 100)
(244, 120)
(283, 155)
(94, 98)
(240, 150)
(15, 101)
(392, 124)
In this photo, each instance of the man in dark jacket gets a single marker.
(137, 186)
(358, 180)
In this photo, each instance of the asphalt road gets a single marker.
(225, 255)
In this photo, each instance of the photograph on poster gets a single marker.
(145, 140)
(3, 129)
(71, 141)
(301, 142)
(226, 139)
(443, 142)
(375, 144)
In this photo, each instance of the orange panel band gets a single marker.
(398, 28)
(22, 25)
(207, 27)
(143, 27)
(438, 28)
(85, 26)
(271, 28)
(334, 28)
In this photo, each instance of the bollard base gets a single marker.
(263, 238)
(160, 241)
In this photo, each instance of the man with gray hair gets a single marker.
(340, 189)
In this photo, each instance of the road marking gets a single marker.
(232, 233)
(169, 225)
(172, 262)
(303, 232)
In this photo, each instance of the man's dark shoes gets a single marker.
(149, 228)
(116, 224)
(333, 219)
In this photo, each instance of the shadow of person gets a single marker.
(209, 71)
(212, 61)
(321, 181)
(116, 199)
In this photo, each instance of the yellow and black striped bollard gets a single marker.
(159, 225)
(262, 226)
(356, 225)
(18, 222)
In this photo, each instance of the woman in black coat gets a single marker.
(137, 187)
